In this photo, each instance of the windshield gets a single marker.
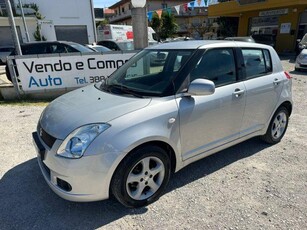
(304, 40)
(101, 49)
(149, 73)
(81, 48)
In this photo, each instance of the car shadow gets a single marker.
(216, 162)
(301, 72)
(28, 203)
(290, 58)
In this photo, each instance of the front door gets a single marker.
(207, 122)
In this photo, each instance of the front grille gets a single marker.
(303, 66)
(48, 139)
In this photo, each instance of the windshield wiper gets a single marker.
(124, 89)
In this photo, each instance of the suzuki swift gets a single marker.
(125, 135)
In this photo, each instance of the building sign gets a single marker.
(246, 2)
(63, 72)
(273, 12)
(264, 21)
(285, 28)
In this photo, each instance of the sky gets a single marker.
(104, 3)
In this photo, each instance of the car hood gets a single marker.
(85, 106)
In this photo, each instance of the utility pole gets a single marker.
(24, 21)
(139, 24)
(13, 27)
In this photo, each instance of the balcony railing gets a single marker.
(121, 16)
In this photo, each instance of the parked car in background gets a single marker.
(122, 45)
(48, 47)
(149, 120)
(301, 61)
(267, 39)
(5, 51)
(301, 44)
(240, 39)
(98, 48)
(52, 47)
(117, 45)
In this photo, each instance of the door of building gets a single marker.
(72, 33)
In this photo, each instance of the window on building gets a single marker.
(164, 5)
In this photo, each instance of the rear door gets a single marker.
(263, 89)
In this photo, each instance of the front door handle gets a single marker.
(238, 92)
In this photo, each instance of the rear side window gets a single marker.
(257, 62)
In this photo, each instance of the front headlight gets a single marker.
(76, 143)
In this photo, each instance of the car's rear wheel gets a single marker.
(277, 127)
(141, 177)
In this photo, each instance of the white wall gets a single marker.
(64, 12)
(31, 25)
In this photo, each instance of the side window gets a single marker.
(268, 61)
(217, 65)
(59, 48)
(70, 49)
(181, 59)
(255, 64)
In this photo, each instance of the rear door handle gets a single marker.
(238, 92)
(277, 81)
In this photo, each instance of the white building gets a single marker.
(69, 20)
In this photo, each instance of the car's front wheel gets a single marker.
(277, 127)
(141, 177)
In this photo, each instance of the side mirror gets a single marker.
(298, 40)
(201, 87)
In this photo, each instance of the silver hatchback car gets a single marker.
(125, 135)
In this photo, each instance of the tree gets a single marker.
(102, 23)
(169, 26)
(156, 24)
(165, 27)
(228, 26)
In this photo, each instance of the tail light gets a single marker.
(288, 76)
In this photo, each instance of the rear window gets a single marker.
(257, 62)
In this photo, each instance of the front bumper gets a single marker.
(81, 180)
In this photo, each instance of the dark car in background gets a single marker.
(267, 39)
(117, 45)
(98, 48)
(240, 39)
(52, 47)
(48, 48)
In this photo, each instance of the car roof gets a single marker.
(203, 44)
(47, 42)
(239, 38)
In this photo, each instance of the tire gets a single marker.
(277, 127)
(141, 177)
